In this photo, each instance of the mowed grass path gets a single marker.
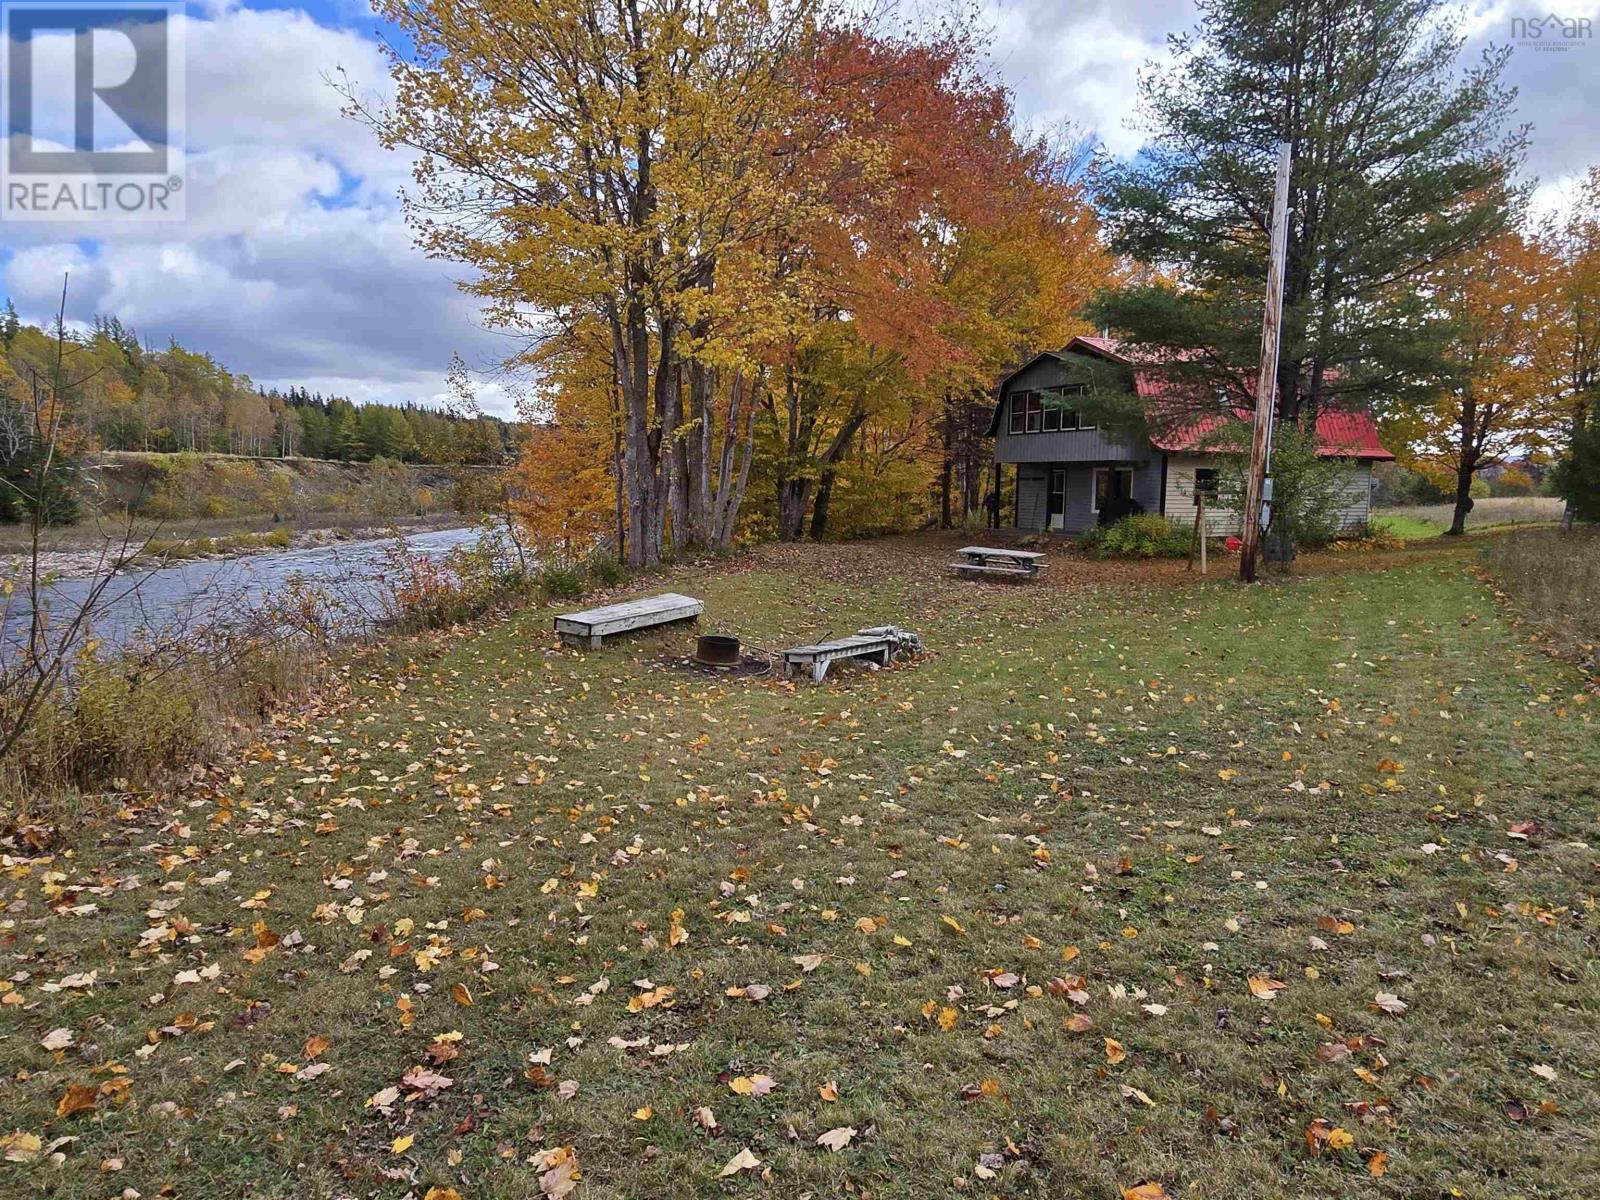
(950, 893)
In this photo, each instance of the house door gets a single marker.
(1056, 502)
(1113, 494)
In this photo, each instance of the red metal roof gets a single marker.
(1340, 434)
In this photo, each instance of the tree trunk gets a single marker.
(1464, 501)
(819, 507)
(794, 496)
(1466, 465)
(947, 466)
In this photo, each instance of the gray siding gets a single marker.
(1078, 445)
(1031, 497)
(1033, 482)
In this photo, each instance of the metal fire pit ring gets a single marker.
(716, 650)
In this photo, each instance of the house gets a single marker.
(1071, 475)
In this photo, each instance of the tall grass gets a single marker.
(1554, 577)
(1490, 511)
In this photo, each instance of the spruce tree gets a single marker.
(1400, 159)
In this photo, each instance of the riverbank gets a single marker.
(92, 546)
(1131, 881)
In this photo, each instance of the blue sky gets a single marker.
(294, 265)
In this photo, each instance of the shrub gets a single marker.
(607, 570)
(1147, 535)
(559, 582)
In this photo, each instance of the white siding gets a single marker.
(1354, 501)
(1355, 495)
(1180, 496)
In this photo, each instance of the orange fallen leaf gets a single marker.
(1114, 1051)
(76, 1099)
(317, 1045)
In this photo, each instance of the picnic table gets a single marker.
(997, 561)
(591, 626)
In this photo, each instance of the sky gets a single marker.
(294, 265)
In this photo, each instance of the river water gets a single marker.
(155, 604)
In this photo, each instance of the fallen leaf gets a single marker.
(20, 1146)
(1264, 987)
(829, 1091)
(836, 1139)
(403, 1143)
(1390, 1003)
(460, 994)
(57, 1039)
(76, 1099)
(1149, 1190)
(1133, 1093)
(316, 1046)
(1114, 1051)
(742, 1161)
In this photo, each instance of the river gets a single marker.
(165, 601)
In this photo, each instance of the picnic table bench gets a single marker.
(878, 642)
(592, 625)
(1006, 563)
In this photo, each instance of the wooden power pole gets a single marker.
(1258, 486)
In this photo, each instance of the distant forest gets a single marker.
(129, 396)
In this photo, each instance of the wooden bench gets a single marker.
(590, 627)
(977, 561)
(879, 643)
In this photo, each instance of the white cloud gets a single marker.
(294, 264)
(1080, 61)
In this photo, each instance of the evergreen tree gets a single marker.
(10, 326)
(1399, 160)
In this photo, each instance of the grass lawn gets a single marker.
(1403, 525)
(996, 910)
(1419, 522)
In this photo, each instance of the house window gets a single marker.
(1205, 481)
(1111, 483)
(1026, 412)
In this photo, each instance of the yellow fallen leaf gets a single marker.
(1340, 1139)
(742, 1161)
(643, 1113)
(954, 924)
(401, 1144)
(460, 994)
(439, 1193)
(1264, 987)
(1114, 1051)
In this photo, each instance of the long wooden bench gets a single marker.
(591, 626)
(879, 642)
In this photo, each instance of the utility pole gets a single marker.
(1258, 487)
